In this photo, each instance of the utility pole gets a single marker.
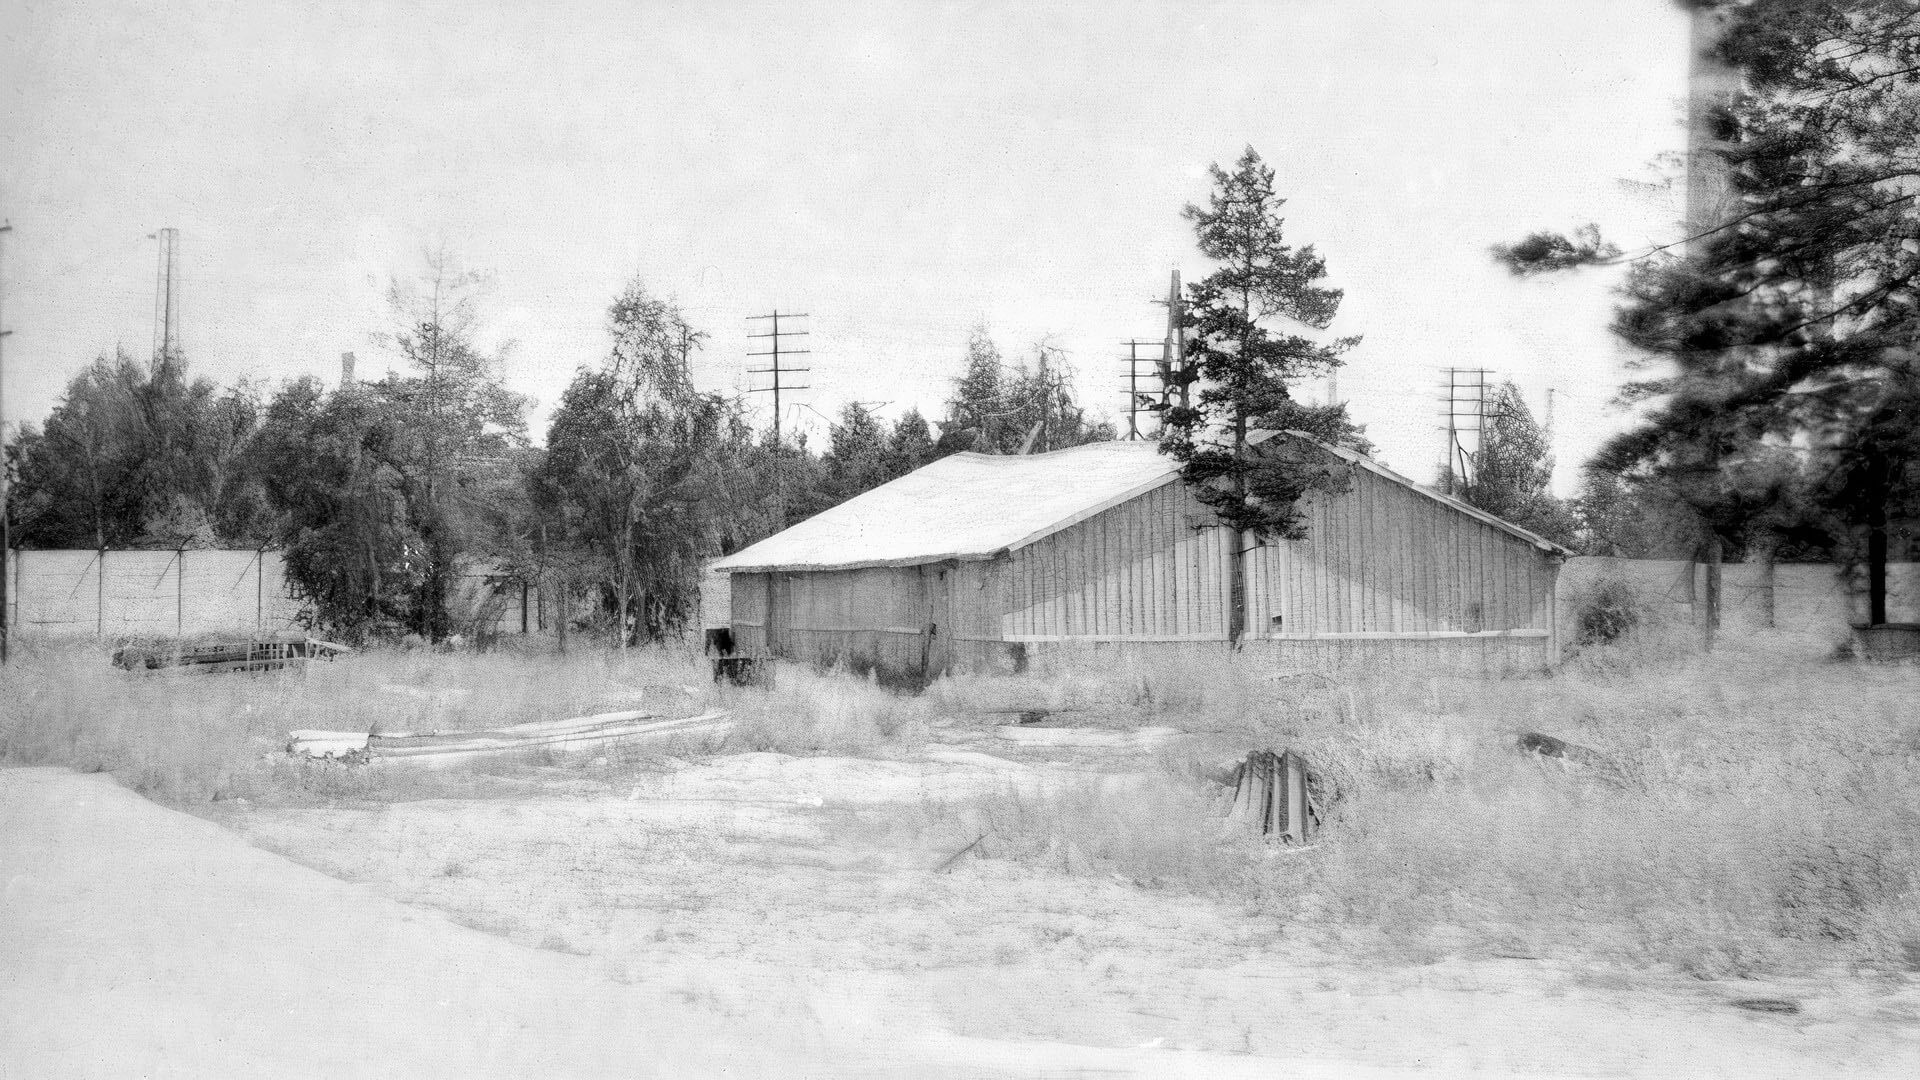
(1173, 351)
(6, 515)
(1046, 401)
(166, 302)
(1466, 415)
(774, 369)
(1138, 402)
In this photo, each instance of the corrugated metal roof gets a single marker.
(976, 506)
(967, 506)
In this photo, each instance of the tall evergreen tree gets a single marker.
(1240, 370)
(911, 444)
(997, 408)
(856, 457)
(978, 413)
(1788, 323)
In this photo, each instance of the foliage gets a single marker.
(389, 492)
(632, 474)
(1237, 373)
(1788, 397)
(136, 457)
(1512, 471)
(350, 545)
(1546, 252)
(1606, 611)
(1028, 407)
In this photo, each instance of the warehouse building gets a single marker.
(979, 562)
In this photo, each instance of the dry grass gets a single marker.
(807, 713)
(186, 737)
(1759, 811)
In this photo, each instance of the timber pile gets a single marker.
(263, 654)
(454, 747)
(1271, 793)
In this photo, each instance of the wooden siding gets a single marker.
(1380, 558)
(1381, 565)
(928, 618)
(1139, 571)
(1511, 653)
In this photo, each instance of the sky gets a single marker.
(901, 173)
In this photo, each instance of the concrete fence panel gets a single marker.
(115, 594)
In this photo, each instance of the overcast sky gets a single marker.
(901, 172)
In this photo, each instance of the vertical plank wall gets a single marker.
(1139, 571)
(1380, 558)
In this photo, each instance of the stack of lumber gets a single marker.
(452, 747)
(1271, 793)
(259, 654)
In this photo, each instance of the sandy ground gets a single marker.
(752, 916)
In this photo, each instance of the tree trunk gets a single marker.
(560, 611)
(1877, 562)
(1768, 582)
(1713, 589)
(1236, 559)
(626, 573)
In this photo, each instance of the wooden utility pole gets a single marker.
(777, 387)
(1138, 402)
(1173, 351)
(1466, 415)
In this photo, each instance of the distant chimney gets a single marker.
(346, 369)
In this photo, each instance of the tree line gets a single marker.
(1778, 340)
(394, 498)
(1782, 394)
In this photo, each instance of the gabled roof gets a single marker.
(1374, 467)
(979, 506)
(967, 506)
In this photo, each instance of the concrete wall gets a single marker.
(147, 593)
(1812, 599)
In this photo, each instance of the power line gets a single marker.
(775, 338)
(1466, 402)
(1149, 402)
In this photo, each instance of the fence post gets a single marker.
(259, 590)
(100, 595)
(180, 593)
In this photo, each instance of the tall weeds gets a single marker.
(1749, 811)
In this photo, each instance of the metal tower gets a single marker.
(166, 302)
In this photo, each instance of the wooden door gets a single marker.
(937, 652)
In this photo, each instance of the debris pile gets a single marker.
(450, 747)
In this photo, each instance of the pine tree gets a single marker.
(856, 457)
(978, 412)
(1789, 318)
(1243, 370)
(910, 445)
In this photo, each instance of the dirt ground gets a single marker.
(766, 915)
